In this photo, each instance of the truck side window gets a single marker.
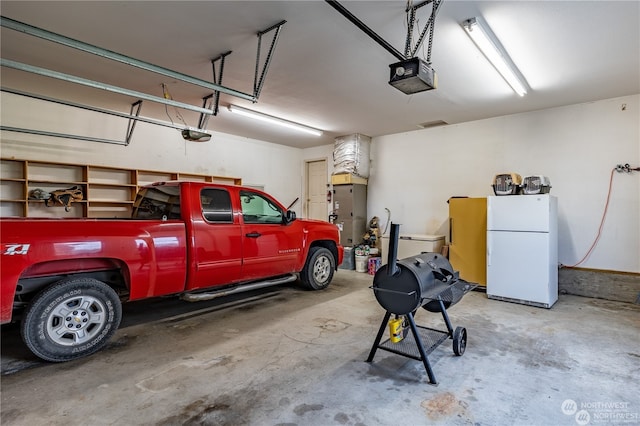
(216, 205)
(157, 202)
(258, 209)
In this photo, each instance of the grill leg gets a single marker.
(423, 354)
(445, 316)
(385, 321)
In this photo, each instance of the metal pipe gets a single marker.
(91, 108)
(216, 100)
(368, 31)
(430, 25)
(196, 297)
(267, 62)
(61, 135)
(131, 125)
(279, 24)
(418, 6)
(392, 257)
(97, 85)
(85, 47)
(412, 20)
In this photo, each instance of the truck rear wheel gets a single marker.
(318, 271)
(71, 319)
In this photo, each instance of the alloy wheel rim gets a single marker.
(76, 320)
(322, 269)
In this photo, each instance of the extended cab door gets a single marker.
(217, 242)
(270, 245)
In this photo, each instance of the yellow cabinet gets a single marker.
(468, 238)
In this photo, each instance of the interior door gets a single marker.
(317, 189)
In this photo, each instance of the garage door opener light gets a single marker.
(274, 120)
(195, 135)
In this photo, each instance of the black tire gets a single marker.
(459, 341)
(319, 268)
(71, 319)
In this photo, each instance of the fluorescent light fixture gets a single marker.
(274, 120)
(489, 45)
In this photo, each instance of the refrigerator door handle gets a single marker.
(489, 245)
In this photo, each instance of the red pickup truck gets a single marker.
(65, 279)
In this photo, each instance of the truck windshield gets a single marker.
(157, 202)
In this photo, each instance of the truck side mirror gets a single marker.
(290, 216)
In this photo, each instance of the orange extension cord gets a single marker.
(604, 215)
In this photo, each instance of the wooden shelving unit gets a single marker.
(108, 191)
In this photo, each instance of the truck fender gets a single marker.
(114, 272)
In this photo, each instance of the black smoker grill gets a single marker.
(402, 286)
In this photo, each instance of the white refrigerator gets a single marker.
(522, 249)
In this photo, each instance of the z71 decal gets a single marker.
(12, 249)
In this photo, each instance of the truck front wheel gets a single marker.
(71, 319)
(318, 271)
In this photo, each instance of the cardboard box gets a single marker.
(347, 179)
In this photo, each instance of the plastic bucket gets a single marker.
(361, 263)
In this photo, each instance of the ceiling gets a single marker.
(325, 71)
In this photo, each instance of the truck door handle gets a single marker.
(253, 234)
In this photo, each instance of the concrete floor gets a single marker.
(297, 357)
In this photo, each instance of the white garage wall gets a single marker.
(275, 167)
(414, 173)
